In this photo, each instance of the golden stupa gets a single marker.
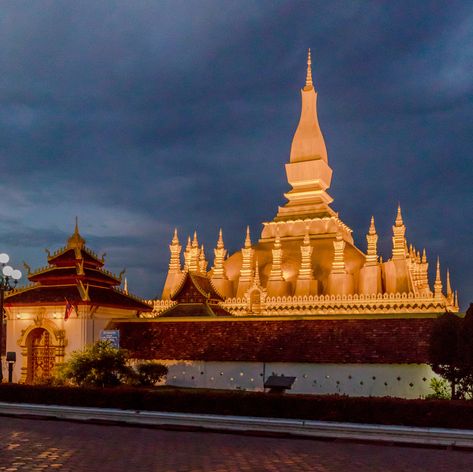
(305, 262)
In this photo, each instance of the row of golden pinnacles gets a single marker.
(307, 251)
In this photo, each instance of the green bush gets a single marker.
(150, 373)
(441, 389)
(98, 365)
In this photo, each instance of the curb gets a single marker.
(407, 435)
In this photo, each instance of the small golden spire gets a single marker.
(195, 243)
(256, 280)
(399, 221)
(438, 281)
(449, 287)
(220, 244)
(175, 239)
(125, 286)
(372, 229)
(308, 79)
(248, 238)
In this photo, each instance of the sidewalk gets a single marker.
(270, 426)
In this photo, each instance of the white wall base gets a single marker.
(378, 380)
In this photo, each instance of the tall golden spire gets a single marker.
(308, 171)
(308, 79)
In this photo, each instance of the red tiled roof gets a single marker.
(66, 255)
(51, 294)
(195, 287)
(377, 341)
(69, 275)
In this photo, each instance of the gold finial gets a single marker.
(175, 239)
(188, 243)
(195, 243)
(248, 238)
(220, 244)
(125, 286)
(76, 241)
(399, 221)
(308, 79)
(449, 287)
(372, 229)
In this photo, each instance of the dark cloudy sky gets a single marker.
(139, 116)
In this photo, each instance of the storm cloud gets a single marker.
(143, 116)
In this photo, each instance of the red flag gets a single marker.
(69, 308)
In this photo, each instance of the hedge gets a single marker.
(386, 410)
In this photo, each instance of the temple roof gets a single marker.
(196, 286)
(57, 294)
(75, 249)
(51, 275)
(196, 296)
(386, 341)
(74, 273)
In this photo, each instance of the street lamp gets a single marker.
(8, 279)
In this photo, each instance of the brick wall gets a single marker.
(379, 341)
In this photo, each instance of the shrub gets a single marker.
(440, 388)
(428, 413)
(150, 373)
(98, 365)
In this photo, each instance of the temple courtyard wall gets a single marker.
(378, 380)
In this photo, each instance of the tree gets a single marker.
(451, 352)
(444, 353)
(99, 365)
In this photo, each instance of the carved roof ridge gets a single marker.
(129, 295)
(62, 250)
(22, 289)
(180, 285)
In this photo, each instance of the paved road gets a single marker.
(37, 445)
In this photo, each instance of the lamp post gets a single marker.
(8, 279)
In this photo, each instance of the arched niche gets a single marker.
(42, 348)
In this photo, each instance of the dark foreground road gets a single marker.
(27, 445)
